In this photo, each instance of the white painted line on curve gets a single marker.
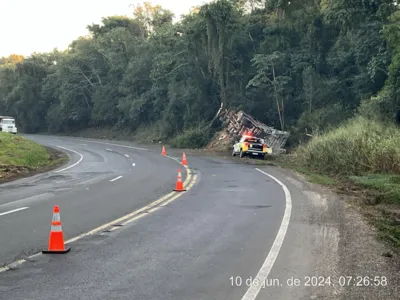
(126, 155)
(13, 211)
(265, 269)
(12, 265)
(73, 165)
(133, 164)
(116, 178)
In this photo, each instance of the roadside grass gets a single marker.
(389, 230)
(362, 157)
(385, 187)
(18, 151)
(360, 146)
(316, 178)
(20, 156)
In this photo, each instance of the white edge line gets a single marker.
(12, 265)
(133, 164)
(116, 178)
(126, 155)
(12, 211)
(73, 165)
(265, 269)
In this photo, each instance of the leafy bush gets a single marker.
(192, 138)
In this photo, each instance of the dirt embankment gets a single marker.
(20, 157)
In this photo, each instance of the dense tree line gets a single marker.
(298, 65)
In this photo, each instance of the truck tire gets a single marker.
(241, 154)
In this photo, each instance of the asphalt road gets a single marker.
(86, 194)
(234, 223)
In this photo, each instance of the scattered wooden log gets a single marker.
(240, 123)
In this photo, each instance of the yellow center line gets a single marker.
(163, 204)
(135, 215)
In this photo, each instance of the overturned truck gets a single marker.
(238, 123)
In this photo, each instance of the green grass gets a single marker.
(18, 151)
(385, 186)
(315, 177)
(358, 147)
(364, 155)
(388, 230)
(289, 162)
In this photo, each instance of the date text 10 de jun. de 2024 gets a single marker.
(312, 281)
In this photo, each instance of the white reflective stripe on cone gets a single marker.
(56, 228)
(56, 217)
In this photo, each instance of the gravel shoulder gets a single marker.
(346, 247)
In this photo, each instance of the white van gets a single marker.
(7, 124)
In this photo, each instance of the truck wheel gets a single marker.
(233, 153)
(241, 154)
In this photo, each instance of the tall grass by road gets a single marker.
(366, 154)
(358, 147)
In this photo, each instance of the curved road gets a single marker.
(234, 224)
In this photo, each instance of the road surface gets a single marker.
(234, 224)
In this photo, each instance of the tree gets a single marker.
(299, 65)
(267, 76)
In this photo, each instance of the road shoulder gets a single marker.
(344, 245)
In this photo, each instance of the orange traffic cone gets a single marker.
(184, 160)
(179, 183)
(56, 239)
(163, 152)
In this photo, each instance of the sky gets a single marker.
(28, 26)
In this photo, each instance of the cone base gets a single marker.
(56, 251)
(175, 190)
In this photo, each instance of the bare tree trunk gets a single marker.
(277, 99)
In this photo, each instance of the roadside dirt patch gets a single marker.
(10, 173)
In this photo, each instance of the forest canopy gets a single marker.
(299, 65)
